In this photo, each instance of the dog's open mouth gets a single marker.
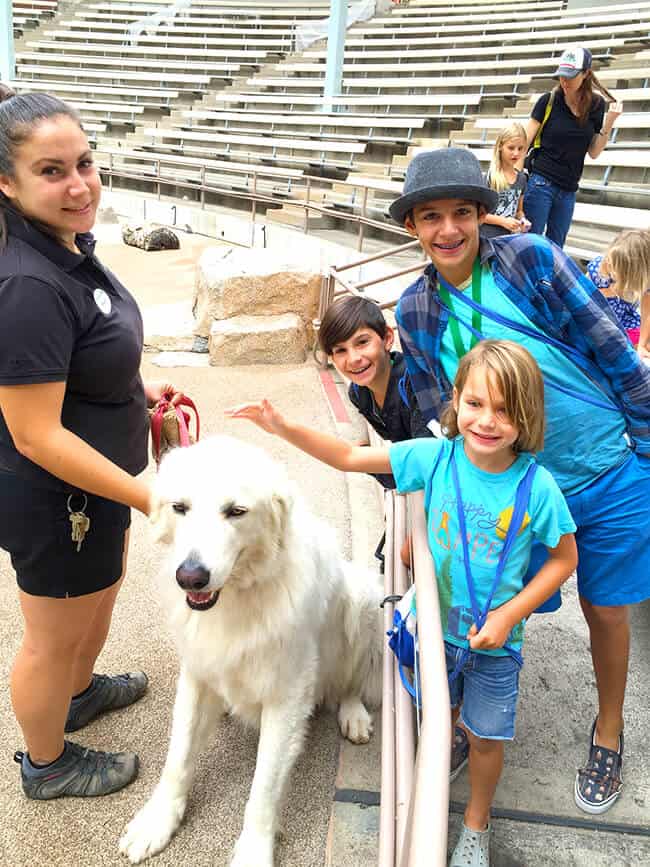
(201, 601)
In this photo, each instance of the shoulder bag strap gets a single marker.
(547, 111)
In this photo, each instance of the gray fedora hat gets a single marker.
(446, 173)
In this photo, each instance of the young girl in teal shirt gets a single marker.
(486, 502)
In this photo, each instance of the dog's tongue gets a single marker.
(199, 597)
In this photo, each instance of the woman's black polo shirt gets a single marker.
(565, 143)
(66, 318)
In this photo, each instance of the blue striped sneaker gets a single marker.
(105, 693)
(78, 772)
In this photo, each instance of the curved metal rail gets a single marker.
(414, 785)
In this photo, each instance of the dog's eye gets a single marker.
(179, 508)
(235, 511)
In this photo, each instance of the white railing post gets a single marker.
(388, 751)
(428, 843)
(404, 711)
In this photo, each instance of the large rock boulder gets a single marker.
(258, 340)
(242, 282)
(149, 236)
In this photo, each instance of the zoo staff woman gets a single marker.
(73, 434)
(576, 126)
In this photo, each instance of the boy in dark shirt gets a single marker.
(356, 336)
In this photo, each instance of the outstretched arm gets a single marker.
(333, 451)
(562, 560)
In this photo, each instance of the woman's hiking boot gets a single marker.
(78, 772)
(105, 693)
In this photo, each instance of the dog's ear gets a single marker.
(161, 521)
(280, 507)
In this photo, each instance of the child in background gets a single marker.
(623, 276)
(509, 182)
(478, 481)
(355, 335)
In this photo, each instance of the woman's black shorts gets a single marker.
(35, 529)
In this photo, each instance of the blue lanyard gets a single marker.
(522, 497)
(573, 353)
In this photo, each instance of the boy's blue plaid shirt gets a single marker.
(554, 295)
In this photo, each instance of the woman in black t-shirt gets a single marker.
(576, 126)
(73, 434)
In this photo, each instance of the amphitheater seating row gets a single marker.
(517, 68)
(171, 36)
(358, 50)
(85, 75)
(373, 129)
(54, 62)
(454, 95)
(215, 18)
(178, 25)
(495, 12)
(378, 41)
(151, 53)
(404, 65)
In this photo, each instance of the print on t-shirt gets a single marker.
(486, 533)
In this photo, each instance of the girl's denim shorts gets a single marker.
(36, 531)
(487, 687)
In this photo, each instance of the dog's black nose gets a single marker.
(192, 574)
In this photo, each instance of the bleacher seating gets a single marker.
(219, 84)
(29, 14)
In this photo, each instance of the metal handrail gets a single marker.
(159, 180)
(404, 711)
(387, 800)
(429, 808)
(414, 793)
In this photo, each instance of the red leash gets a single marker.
(165, 405)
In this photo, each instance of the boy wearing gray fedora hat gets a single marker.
(522, 287)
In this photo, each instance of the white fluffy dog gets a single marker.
(269, 622)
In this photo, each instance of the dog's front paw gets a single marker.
(151, 829)
(253, 850)
(355, 721)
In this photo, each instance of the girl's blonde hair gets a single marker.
(628, 257)
(514, 373)
(496, 173)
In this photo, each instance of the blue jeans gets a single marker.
(487, 687)
(549, 207)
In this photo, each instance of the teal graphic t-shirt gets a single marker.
(488, 501)
(582, 441)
